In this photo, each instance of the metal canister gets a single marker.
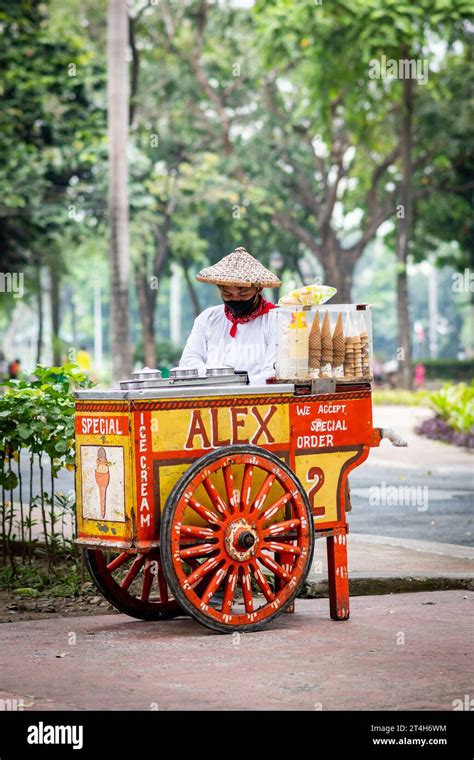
(222, 371)
(183, 373)
(147, 374)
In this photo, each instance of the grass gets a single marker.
(392, 396)
(34, 580)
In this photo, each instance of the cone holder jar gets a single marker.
(327, 341)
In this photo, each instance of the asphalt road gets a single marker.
(422, 492)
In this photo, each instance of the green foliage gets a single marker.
(449, 369)
(192, 194)
(37, 419)
(34, 581)
(52, 125)
(167, 354)
(399, 397)
(38, 414)
(455, 405)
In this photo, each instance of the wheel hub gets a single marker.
(241, 540)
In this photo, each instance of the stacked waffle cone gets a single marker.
(315, 344)
(326, 347)
(364, 345)
(343, 354)
(349, 358)
(357, 356)
(350, 351)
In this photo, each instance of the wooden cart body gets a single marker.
(147, 440)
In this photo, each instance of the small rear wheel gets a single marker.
(243, 518)
(134, 583)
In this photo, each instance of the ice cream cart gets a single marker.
(204, 495)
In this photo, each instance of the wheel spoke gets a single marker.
(231, 491)
(201, 571)
(279, 529)
(246, 583)
(262, 582)
(118, 561)
(263, 493)
(243, 560)
(214, 584)
(162, 585)
(204, 512)
(271, 511)
(147, 581)
(200, 550)
(133, 572)
(275, 546)
(229, 592)
(246, 487)
(270, 564)
(215, 497)
(192, 531)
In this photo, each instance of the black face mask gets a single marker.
(243, 308)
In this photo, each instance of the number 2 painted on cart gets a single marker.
(313, 474)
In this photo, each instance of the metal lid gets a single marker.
(147, 374)
(158, 383)
(130, 385)
(220, 371)
(183, 373)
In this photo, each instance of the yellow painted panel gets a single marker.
(208, 428)
(311, 469)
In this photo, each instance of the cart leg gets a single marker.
(338, 577)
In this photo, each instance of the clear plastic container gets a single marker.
(328, 341)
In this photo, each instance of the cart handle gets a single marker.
(393, 436)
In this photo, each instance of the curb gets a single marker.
(392, 585)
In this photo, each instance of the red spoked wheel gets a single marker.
(134, 583)
(243, 518)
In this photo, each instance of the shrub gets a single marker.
(454, 370)
(454, 419)
(37, 420)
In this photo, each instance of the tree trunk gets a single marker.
(191, 290)
(118, 91)
(146, 305)
(404, 226)
(39, 303)
(338, 267)
(55, 316)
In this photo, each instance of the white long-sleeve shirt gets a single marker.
(253, 349)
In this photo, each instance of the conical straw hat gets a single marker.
(239, 268)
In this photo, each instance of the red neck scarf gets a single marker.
(263, 307)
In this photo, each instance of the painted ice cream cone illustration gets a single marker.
(102, 478)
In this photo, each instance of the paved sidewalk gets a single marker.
(403, 652)
(380, 565)
(420, 452)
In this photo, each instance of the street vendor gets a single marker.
(241, 333)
